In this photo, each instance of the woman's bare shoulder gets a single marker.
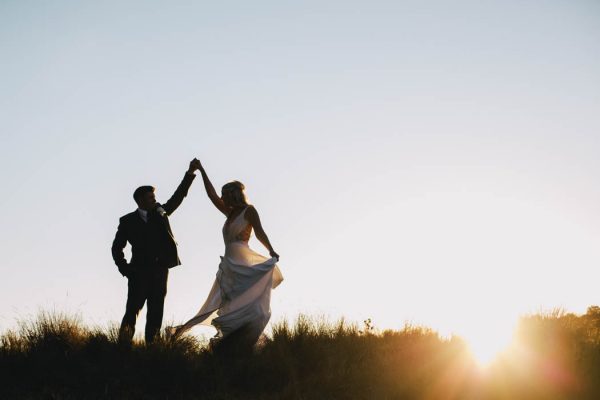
(251, 213)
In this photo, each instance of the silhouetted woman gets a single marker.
(238, 304)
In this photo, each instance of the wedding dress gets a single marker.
(241, 293)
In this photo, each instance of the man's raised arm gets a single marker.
(175, 201)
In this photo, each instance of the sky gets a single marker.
(426, 162)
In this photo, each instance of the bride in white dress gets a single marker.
(239, 301)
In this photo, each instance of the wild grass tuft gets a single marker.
(556, 355)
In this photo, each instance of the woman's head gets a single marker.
(233, 195)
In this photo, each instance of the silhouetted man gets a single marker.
(153, 252)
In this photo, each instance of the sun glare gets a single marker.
(484, 352)
(486, 345)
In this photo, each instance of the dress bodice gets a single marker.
(238, 230)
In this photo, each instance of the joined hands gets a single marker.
(195, 165)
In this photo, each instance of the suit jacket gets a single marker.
(152, 242)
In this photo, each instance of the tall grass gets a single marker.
(554, 356)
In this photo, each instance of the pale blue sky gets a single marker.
(427, 161)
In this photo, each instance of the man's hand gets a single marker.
(194, 165)
(126, 271)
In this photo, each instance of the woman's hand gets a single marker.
(194, 165)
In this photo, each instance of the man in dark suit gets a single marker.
(153, 252)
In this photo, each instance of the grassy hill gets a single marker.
(554, 356)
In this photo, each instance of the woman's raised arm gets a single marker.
(211, 192)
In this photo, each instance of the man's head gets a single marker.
(144, 197)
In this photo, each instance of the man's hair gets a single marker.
(139, 192)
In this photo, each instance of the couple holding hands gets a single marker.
(238, 304)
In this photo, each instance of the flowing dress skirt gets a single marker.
(241, 294)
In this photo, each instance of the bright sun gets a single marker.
(486, 344)
(484, 352)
